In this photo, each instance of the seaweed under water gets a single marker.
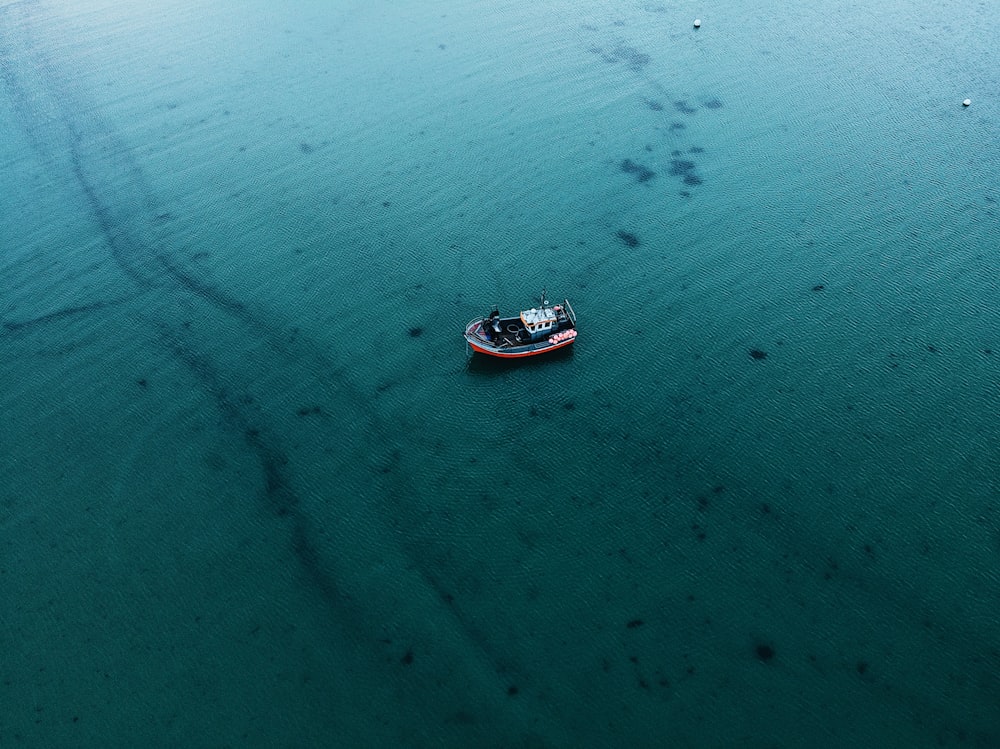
(685, 169)
(634, 59)
(640, 172)
(630, 239)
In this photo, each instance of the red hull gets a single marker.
(515, 354)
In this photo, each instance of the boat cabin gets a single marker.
(539, 322)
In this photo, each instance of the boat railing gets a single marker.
(569, 308)
(477, 334)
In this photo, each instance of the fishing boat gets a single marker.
(535, 331)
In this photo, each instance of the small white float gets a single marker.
(967, 102)
(697, 23)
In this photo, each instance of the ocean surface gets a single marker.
(255, 492)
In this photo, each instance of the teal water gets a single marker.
(253, 491)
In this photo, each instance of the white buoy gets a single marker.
(697, 23)
(967, 102)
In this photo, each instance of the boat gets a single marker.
(539, 330)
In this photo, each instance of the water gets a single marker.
(254, 493)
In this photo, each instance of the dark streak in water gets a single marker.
(123, 248)
(19, 325)
(211, 294)
(134, 227)
(315, 567)
(279, 494)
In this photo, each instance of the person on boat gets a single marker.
(493, 324)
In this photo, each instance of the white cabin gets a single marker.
(539, 322)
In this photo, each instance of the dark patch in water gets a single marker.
(764, 652)
(712, 103)
(277, 491)
(680, 167)
(654, 105)
(306, 147)
(685, 169)
(677, 126)
(416, 332)
(818, 287)
(756, 353)
(462, 718)
(640, 172)
(407, 659)
(630, 239)
(683, 107)
(696, 149)
(310, 411)
(633, 59)
(634, 623)
(512, 690)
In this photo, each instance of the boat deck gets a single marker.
(512, 333)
